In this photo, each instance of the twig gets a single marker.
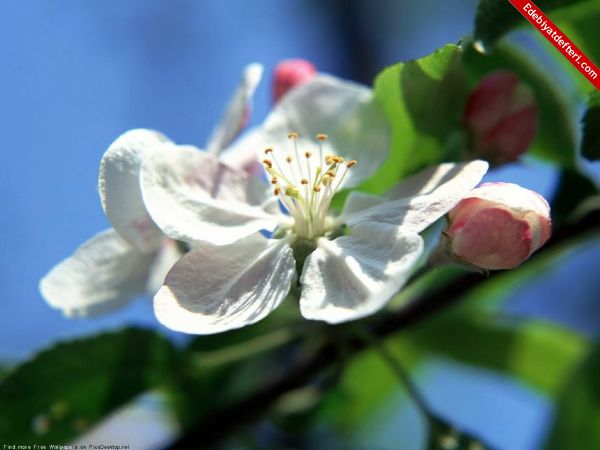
(222, 422)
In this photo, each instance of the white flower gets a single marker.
(134, 256)
(352, 264)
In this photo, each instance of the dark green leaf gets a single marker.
(555, 140)
(64, 390)
(573, 189)
(590, 143)
(222, 368)
(577, 423)
(494, 18)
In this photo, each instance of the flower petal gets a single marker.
(354, 276)
(345, 111)
(166, 257)
(102, 275)
(236, 115)
(218, 288)
(420, 200)
(193, 197)
(119, 187)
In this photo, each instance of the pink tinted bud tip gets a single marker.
(502, 116)
(497, 226)
(290, 73)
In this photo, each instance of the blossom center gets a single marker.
(305, 183)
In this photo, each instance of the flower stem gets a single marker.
(399, 371)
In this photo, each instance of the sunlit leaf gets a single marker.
(423, 101)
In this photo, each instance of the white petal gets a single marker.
(358, 201)
(119, 187)
(166, 257)
(420, 200)
(193, 197)
(243, 153)
(102, 275)
(343, 110)
(218, 288)
(236, 115)
(354, 276)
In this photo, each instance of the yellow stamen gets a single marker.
(291, 191)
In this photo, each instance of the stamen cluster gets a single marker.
(306, 183)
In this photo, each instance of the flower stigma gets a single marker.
(305, 184)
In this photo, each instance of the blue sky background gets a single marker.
(74, 75)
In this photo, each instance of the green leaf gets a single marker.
(590, 143)
(555, 140)
(580, 23)
(538, 353)
(573, 189)
(577, 423)
(494, 18)
(423, 101)
(222, 368)
(66, 389)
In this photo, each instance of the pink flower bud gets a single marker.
(290, 73)
(498, 226)
(502, 116)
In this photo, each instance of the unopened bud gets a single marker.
(497, 226)
(502, 116)
(290, 73)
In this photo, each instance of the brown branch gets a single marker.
(222, 422)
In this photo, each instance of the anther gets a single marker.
(308, 154)
(274, 180)
(268, 150)
(288, 158)
(351, 163)
(277, 191)
(267, 163)
(304, 181)
(321, 137)
(317, 188)
(331, 174)
(293, 135)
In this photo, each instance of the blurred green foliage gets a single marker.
(63, 391)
